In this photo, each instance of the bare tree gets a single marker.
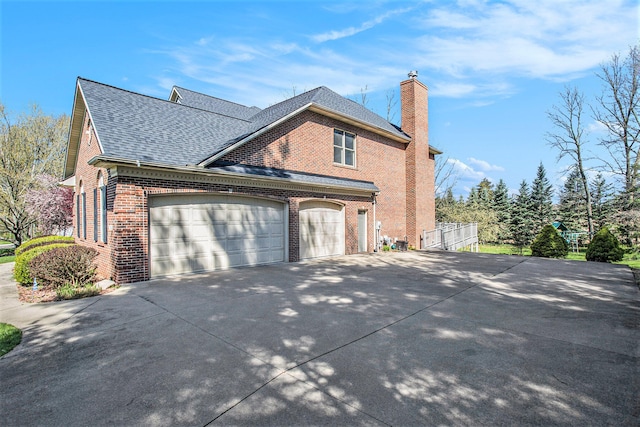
(364, 101)
(392, 102)
(617, 110)
(446, 175)
(570, 138)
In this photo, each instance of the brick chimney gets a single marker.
(420, 165)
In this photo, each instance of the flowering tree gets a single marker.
(51, 205)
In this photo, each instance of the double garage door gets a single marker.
(194, 233)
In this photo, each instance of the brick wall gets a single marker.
(130, 237)
(305, 143)
(87, 176)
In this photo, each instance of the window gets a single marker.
(344, 148)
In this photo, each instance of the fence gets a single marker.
(451, 236)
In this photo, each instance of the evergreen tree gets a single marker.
(502, 208)
(572, 204)
(522, 218)
(485, 193)
(472, 198)
(541, 200)
(601, 197)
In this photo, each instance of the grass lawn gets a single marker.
(10, 336)
(632, 260)
(6, 259)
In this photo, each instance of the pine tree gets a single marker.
(502, 208)
(485, 193)
(522, 217)
(601, 197)
(541, 200)
(572, 204)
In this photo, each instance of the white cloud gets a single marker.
(347, 32)
(484, 165)
(542, 39)
(470, 49)
(466, 172)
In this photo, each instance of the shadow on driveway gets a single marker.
(391, 339)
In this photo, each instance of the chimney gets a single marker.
(419, 165)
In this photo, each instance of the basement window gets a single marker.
(344, 148)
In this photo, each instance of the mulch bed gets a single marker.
(46, 293)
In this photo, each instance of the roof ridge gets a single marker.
(215, 97)
(159, 99)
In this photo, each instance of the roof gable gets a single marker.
(194, 129)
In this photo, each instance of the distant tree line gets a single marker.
(587, 202)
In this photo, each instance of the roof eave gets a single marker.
(80, 109)
(356, 122)
(110, 162)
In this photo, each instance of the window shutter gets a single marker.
(84, 215)
(78, 219)
(103, 212)
(95, 214)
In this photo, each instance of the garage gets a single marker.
(321, 229)
(194, 233)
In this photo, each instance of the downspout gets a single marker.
(375, 224)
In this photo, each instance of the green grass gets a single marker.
(6, 259)
(630, 259)
(10, 336)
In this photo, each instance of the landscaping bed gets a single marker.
(48, 294)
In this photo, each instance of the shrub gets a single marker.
(7, 252)
(43, 241)
(68, 291)
(549, 244)
(21, 268)
(604, 247)
(68, 265)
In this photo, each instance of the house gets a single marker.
(197, 183)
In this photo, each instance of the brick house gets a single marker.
(197, 183)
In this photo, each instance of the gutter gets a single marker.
(109, 162)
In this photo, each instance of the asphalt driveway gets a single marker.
(415, 338)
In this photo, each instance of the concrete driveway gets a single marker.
(415, 338)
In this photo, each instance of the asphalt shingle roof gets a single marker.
(296, 176)
(215, 105)
(139, 127)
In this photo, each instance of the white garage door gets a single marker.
(321, 229)
(191, 233)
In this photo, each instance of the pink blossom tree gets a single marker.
(51, 205)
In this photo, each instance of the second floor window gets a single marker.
(344, 148)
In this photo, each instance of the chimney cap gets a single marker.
(413, 74)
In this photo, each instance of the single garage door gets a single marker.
(191, 233)
(321, 229)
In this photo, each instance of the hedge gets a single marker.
(21, 268)
(42, 241)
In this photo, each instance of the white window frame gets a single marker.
(343, 148)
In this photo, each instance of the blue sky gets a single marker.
(493, 68)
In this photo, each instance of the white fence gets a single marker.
(451, 236)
